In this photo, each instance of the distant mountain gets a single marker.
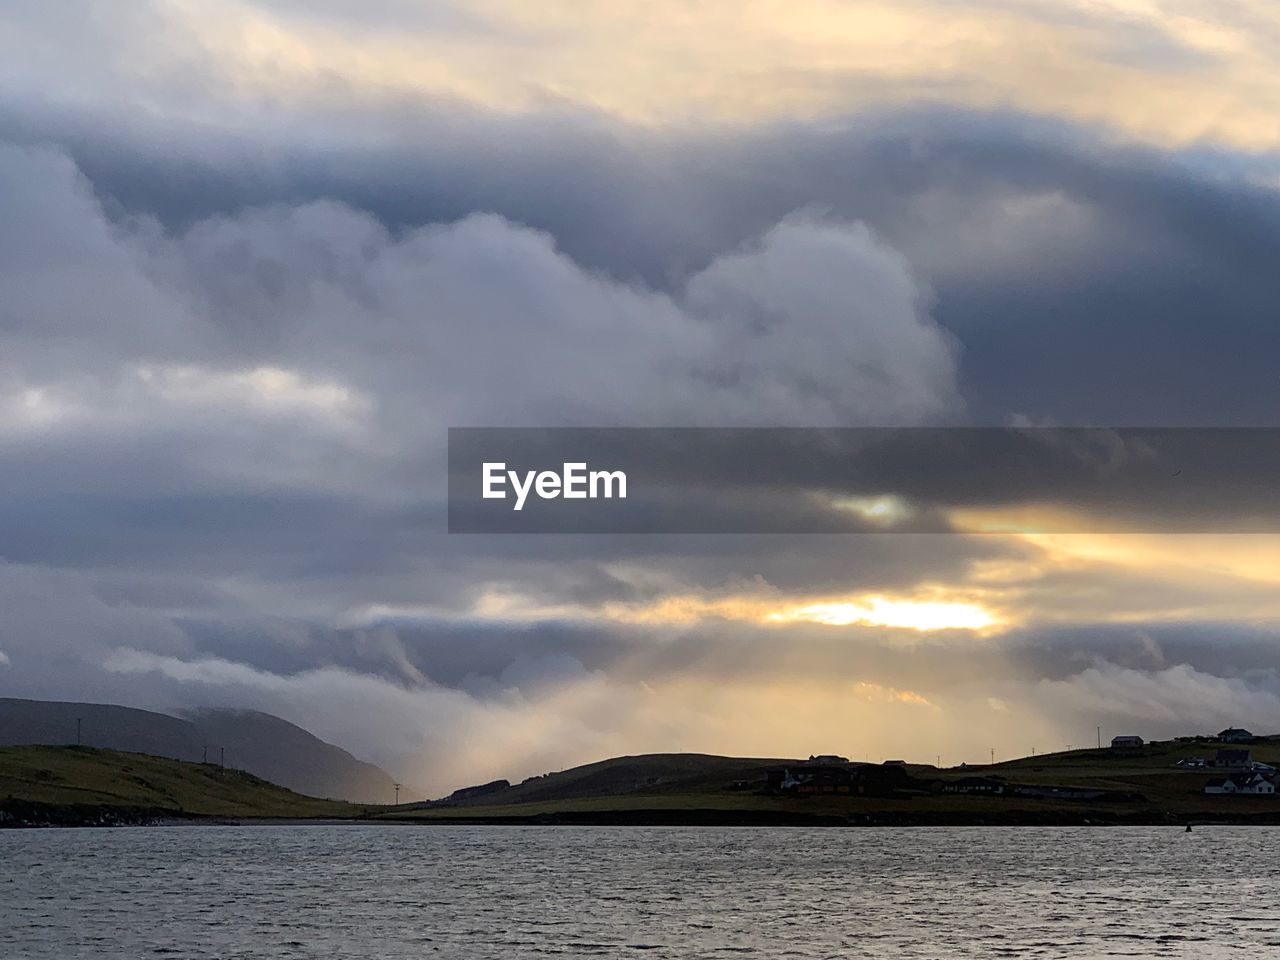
(260, 743)
(286, 754)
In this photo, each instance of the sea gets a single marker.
(369, 892)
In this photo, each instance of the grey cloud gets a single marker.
(1079, 274)
(1175, 701)
(245, 417)
(445, 266)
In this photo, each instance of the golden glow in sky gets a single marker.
(1032, 579)
(885, 612)
(1171, 72)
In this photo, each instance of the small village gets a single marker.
(1233, 772)
(1239, 773)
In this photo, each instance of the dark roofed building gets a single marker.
(807, 778)
(1126, 743)
(810, 777)
(1236, 735)
(1233, 759)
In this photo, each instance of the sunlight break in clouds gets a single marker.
(923, 614)
(886, 612)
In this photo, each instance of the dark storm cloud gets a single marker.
(1088, 283)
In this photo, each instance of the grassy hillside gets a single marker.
(696, 788)
(79, 784)
(84, 777)
(649, 774)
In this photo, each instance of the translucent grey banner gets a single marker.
(863, 480)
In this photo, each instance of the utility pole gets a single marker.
(1099, 738)
(397, 786)
(77, 731)
(204, 758)
(222, 758)
(993, 756)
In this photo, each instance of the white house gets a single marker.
(1259, 785)
(1241, 784)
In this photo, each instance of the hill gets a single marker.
(88, 785)
(1081, 786)
(76, 785)
(645, 775)
(260, 743)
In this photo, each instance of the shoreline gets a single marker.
(29, 816)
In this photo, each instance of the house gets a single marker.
(1236, 735)
(806, 778)
(1232, 759)
(1220, 785)
(1126, 743)
(826, 758)
(1240, 784)
(809, 778)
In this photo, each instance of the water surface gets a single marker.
(375, 892)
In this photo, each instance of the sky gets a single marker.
(257, 256)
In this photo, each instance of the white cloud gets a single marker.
(1178, 697)
(264, 389)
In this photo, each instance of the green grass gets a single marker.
(84, 776)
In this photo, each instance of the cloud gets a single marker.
(1069, 267)
(461, 701)
(1176, 699)
(319, 313)
(236, 417)
(254, 266)
(561, 715)
(1166, 72)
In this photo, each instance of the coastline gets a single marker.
(26, 815)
